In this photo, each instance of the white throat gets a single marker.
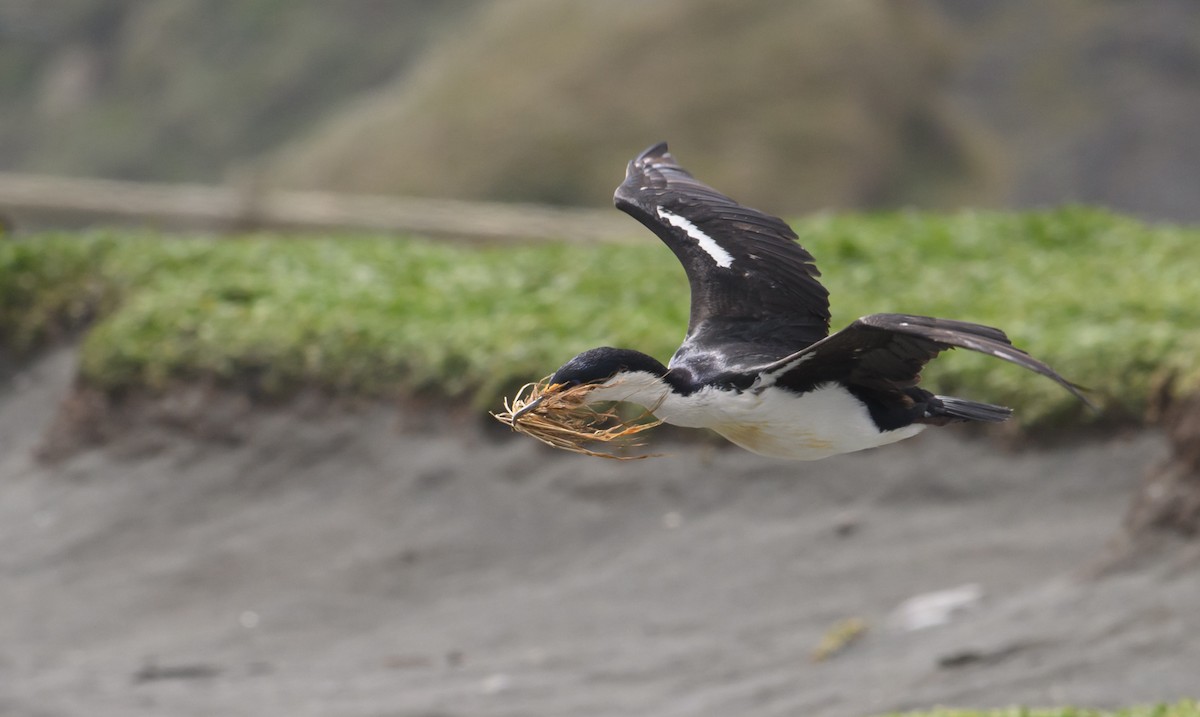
(640, 387)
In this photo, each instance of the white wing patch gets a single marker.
(768, 378)
(723, 258)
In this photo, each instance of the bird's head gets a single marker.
(603, 374)
(558, 410)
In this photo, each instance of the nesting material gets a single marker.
(563, 419)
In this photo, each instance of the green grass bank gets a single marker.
(1112, 303)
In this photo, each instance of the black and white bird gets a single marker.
(758, 364)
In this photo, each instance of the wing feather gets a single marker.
(888, 351)
(771, 281)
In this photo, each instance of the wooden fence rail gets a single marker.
(42, 201)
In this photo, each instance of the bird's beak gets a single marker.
(551, 389)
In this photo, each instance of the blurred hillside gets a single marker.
(792, 106)
(796, 104)
(187, 89)
(1092, 101)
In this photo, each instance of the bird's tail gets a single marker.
(946, 409)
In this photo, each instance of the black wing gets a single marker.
(755, 292)
(887, 352)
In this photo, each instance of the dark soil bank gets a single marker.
(312, 562)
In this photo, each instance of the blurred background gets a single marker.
(798, 105)
(250, 477)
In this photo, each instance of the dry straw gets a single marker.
(562, 418)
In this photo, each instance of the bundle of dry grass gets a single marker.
(563, 419)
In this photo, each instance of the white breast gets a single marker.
(773, 422)
(821, 423)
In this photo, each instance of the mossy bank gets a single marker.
(1110, 302)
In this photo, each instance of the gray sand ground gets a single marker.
(307, 564)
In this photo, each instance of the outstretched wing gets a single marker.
(888, 351)
(753, 286)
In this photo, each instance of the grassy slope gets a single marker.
(1110, 302)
